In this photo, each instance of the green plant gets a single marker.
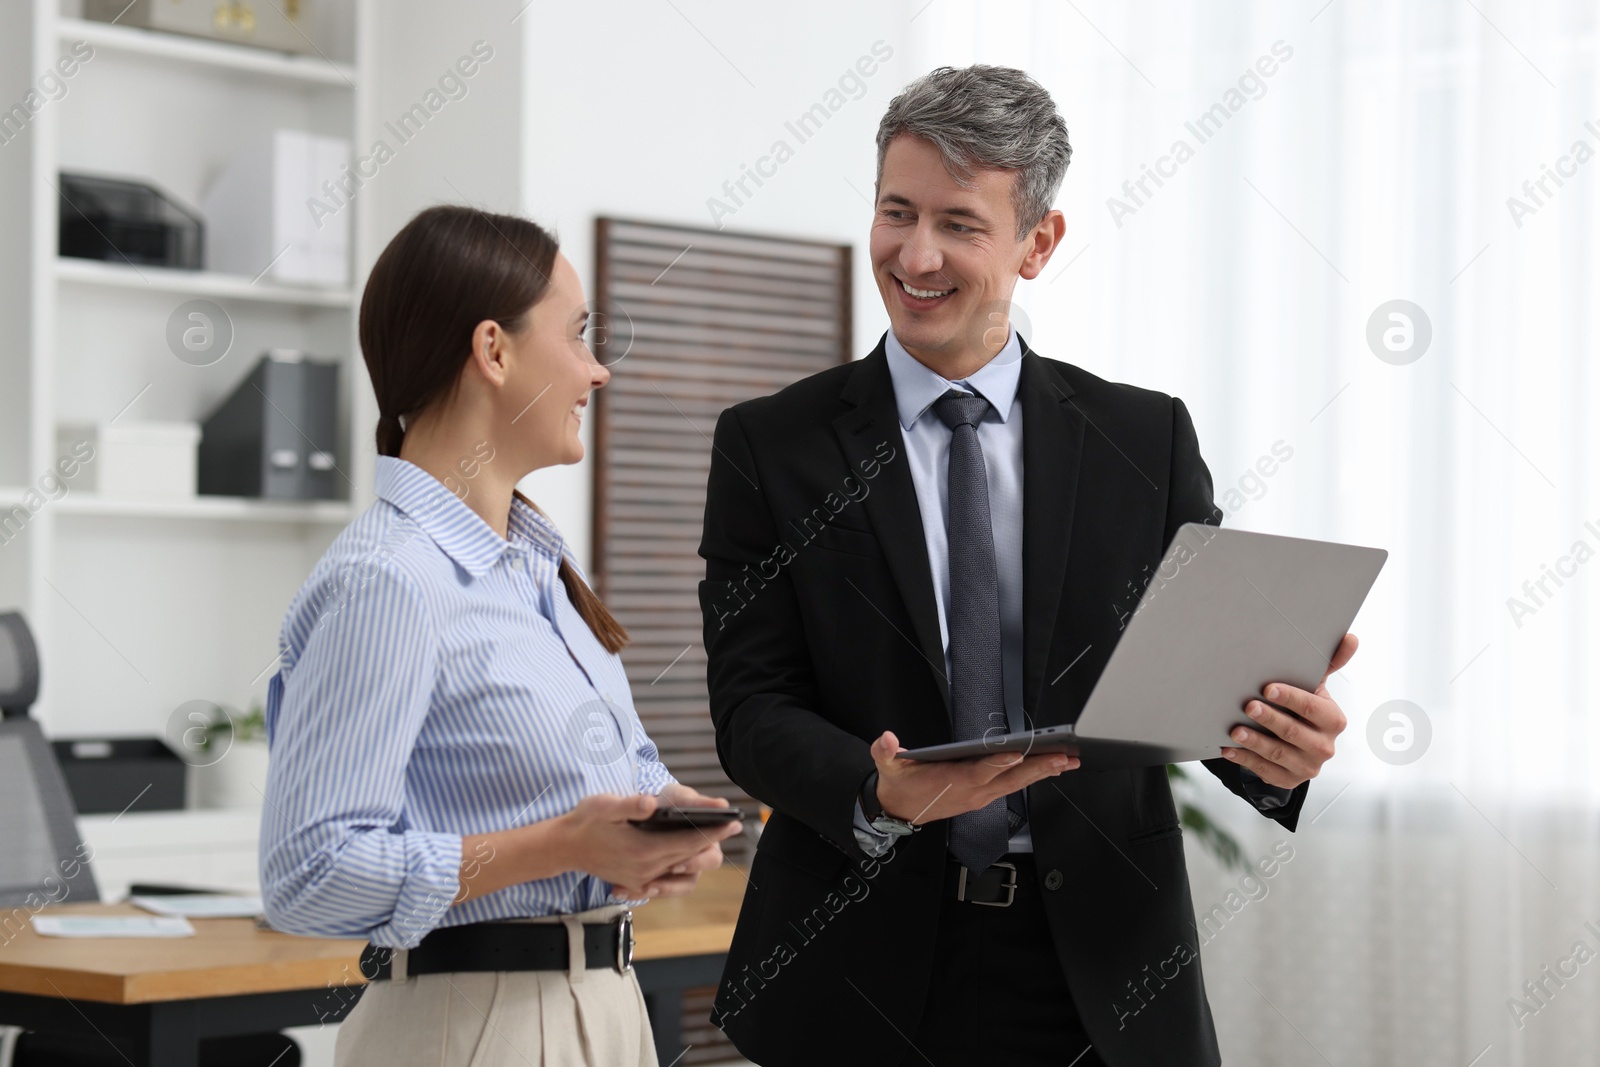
(252, 726)
(1218, 841)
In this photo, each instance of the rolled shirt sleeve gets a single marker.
(653, 774)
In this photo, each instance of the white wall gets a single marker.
(636, 110)
(469, 151)
(639, 111)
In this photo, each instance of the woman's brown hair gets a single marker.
(447, 270)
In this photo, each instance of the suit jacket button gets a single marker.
(1053, 880)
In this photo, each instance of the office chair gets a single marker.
(38, 837)
(40, 862)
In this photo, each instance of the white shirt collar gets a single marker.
(916, 386)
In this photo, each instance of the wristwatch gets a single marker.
(879, 819)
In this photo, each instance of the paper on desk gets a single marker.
(202, 905)
(111, 926)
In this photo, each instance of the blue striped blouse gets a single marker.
(434, 682)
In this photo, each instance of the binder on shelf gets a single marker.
(277, 210)
(275, 436)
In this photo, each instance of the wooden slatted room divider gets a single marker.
(695, 320)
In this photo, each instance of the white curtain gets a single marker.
(1340, 156)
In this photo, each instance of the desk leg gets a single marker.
(172, 1036)
(666, 1021)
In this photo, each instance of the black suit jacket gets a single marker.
(821, 632)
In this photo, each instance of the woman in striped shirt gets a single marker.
(455, 756)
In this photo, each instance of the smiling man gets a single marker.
(985, 912)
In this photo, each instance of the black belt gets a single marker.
(503, 946)
(995, 887)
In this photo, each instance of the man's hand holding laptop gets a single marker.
(1296, 745)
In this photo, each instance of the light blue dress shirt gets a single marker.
(927, 441)
(435, 682)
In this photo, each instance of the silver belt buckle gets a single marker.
(1009, 886)
(624, 962)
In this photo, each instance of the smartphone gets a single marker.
(688, 818)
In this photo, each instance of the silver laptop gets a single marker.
(1227, 612)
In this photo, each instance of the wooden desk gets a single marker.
(160, 997)
(700, 924)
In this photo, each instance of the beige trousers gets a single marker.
(574, 1018)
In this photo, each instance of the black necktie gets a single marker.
(977, 698)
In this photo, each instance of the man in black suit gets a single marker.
(925, 545)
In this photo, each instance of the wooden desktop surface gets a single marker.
(228, 957)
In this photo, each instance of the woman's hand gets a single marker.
(678, 795)
(643, 863)
(595, 838)
(681, 881)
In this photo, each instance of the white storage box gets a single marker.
(135, 460)
(263, 23)
(269, 205)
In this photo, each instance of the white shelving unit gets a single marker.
(142, 605)
(232, 58)
(190, 283)
(213, 507)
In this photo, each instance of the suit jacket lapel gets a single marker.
(891, 507)
(1052, 445)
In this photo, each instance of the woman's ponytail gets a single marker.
(390, 435)
(611, 634)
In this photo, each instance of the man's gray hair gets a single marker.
(984, 116)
